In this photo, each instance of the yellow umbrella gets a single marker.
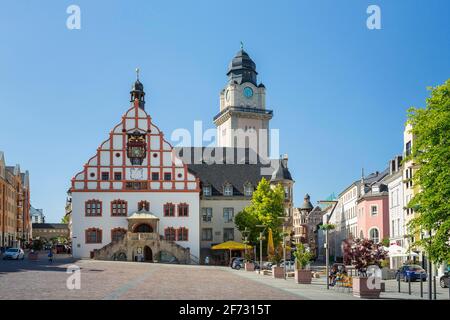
(270, 246)
(231, 245)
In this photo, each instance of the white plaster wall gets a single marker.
(157, 199)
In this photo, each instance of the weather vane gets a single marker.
(137, 73)
(242, 45)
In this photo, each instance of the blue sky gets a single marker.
(339, 91)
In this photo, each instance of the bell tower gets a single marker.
(243, 120)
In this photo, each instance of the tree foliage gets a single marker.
(431, 156)
(267, 206)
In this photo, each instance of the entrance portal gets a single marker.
(148, 254)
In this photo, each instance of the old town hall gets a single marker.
(140, 199)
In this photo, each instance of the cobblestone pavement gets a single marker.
(25, 279)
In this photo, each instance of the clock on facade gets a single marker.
(248, 92)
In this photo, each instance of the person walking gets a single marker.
(50, 256)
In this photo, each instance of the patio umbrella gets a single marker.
(231, 245)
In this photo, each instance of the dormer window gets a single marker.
(248, 190)
(207, 191)
(228, 190)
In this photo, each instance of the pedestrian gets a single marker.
(50, 256)
(207, 260)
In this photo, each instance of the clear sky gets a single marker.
(339, 91)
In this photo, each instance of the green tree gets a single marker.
(65, 219)
(266, 207)
(431, 156)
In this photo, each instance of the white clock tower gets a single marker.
(243, 120)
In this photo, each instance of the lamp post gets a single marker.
(285, 220)
(261, 238)
(327, 247)
(245, 233)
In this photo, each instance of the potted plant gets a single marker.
(362, 254)
(302, 258)
(248, 264)
(277, 271)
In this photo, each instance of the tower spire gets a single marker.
(137, 74)
(137, 91)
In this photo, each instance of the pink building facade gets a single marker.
(373, 214)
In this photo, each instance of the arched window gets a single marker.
(170, 234)
(119, 208)
(374, 235)
(93, 208)
(93, 235)
(183, 210)
(143, 228)
(117, 234)
(169, 210)
(144, 205)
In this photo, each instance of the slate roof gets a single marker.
(236, 173)
(50, 226)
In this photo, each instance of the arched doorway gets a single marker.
(143, 228)
(148, 254)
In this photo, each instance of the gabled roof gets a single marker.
(281, 173)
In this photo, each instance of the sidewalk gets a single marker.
(317, 290)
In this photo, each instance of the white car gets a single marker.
(14, 253)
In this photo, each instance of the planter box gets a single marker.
(362, 290)
(303, 276)
(249, 266)
(278, 272)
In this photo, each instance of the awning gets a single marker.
(231, 245)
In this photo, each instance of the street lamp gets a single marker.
(261, 238)
(245, 233)
(327, 247)
(285, 220)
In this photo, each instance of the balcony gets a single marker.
(143, 236)
(245, 110)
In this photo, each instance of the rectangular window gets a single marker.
(248, 190)
(170, 234)
(155, 176)
(118, 208)
(408, 148)
(207, 234)
(169, 210)
(93, 208)
(228, 234)
(373, 210)
(228, 190)
(167, 176)
(206, 214)
(183, 210)
(207, 191)
(228, 214)
(117, 176)
(93, 236)
(105, 176)
(182, 234)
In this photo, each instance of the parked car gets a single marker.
(267, 265)
(444, 280)
(290, 265)
(237, 263)
(411, 272)
(14, 253)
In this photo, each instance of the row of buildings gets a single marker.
(138, 197)
(375, 207)
(15, 222)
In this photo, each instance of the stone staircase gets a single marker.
(127, 248)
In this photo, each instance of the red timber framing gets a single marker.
(121, 130)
